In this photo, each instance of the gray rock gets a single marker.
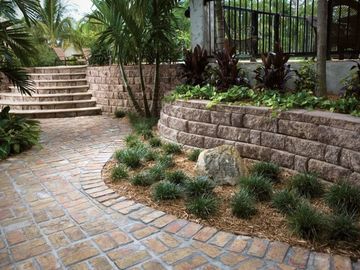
(223, 164)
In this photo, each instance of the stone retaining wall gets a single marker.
(4, 83)
(319, 142)
(107, 87)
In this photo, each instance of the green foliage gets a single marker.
(119, 172)
(157, 173)
(269, 170)
(193, 70)
(17, 134)
(166, 191)
(47, 57)
(343, 228)
(100, 55)
(203, 207)
(200, 186)
(258, 186)
(307, 77)
(141, 125)
(150, 155)
(142, 179)
(191, 92)
(119, 113)
(344, 197)
(133, 140)
(306, 185)
(165, 161)
(131, 157)
(352, 83)
(243, 204)
(286, 201)
(307, 222)
(176, 177)
(172, 148)
(155, 142)
(194, 155)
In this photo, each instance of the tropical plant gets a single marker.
(193, 70)
(275, 71)
(17, 134)
(352, 83)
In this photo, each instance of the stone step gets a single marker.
(58, 113)
(45, 97)
(66, 82)
(57, 89)
(49, 105)
(59, 69)
(57, 76)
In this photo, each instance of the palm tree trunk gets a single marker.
(322, 46)
(143, 90)
(156, 92)
(129, 90)
(220, 27)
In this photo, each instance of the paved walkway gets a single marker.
(56, 213)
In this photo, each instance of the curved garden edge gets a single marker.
(324, 143)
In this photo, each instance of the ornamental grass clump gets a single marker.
(155, 142)
(133, 140)
(258, 186)
(119, 113)
(172, 148)
(286, 201)
(243, 204)
(131, 157)
(200, 186)
(306, 185)
(194, 155)
(143, 179)
(307, 222)
(165, 161)
(166, 191)
(157, 173)
(203, 207)
(343, 227)
(344, 197)
(149, 154)
(119, 172)
(268, 170)
(177, 177)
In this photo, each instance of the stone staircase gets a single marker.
(60, 92)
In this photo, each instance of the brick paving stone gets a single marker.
(100, 263)
(152, 216)
(341, 263)
(135, 258)
(58, 240)
(142, 233)
(156, 246)
(298, 257)
(77, 253)
(137, 215)
(29, 249)
(239, 244)
(252, 263)
(105, 242)
(189, 230)
(258, 247)
(152, 265)
(205, 234)
(210, 250)
(192, 263)
(175, 226)
(163, 221)
(48, 261)
(277, 251)
(123, 204)
(120, 237)
(221, 239)
(176, 255)
(4, 258)
(74, 234)
(318, 261)
(169, 240)
(15, 237)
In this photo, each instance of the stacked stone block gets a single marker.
(306, 141)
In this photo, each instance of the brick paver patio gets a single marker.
(56, 213)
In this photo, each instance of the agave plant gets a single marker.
(228, 73)
(196, 61)
(275, 71)
(352, 83)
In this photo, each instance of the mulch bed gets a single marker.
(267, 223)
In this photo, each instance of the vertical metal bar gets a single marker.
(247, 50)
(338, 34)
(283, 25)
(254, 34)
(305, 32)
(263, 28)
(330, 8)
(297, 26)
(290, 28)
(276, 28)
(270, 27)
(312, 23)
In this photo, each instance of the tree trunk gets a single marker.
(322, 46)
(220, 25)
(143, 90)
(155, 99)
(129, 90)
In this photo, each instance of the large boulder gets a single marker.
(223, 164)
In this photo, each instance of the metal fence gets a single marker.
(253, 26)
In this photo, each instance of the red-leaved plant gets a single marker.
(193, 71)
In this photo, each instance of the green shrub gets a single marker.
(171, 148)
(343, 228)
(150, 155)
(203, 206)
(141, 124)
(131, 157)
(194, 155)
(119, 172)
(157, 173)
(307, 77)
(142, 179)
(306, 185)
(243, 204)
(200, 186)
(146, 134)
(286, 201)
(165, 161)
(17, 134)
(307, 222)
(119, 113)
(166, 191)
(258, 186)
(155, 142)
(176, 177)
(133, 140)
(344, 197)
(268, 170)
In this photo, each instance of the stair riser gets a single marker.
(53, 107)
(59, 70)
(58, 91)
(60, 115)
(54, 83)
(58, 77)
(45, 99)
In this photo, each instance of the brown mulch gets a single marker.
(267, 223)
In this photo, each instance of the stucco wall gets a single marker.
(320, 142)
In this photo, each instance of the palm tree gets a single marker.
(15, 41)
